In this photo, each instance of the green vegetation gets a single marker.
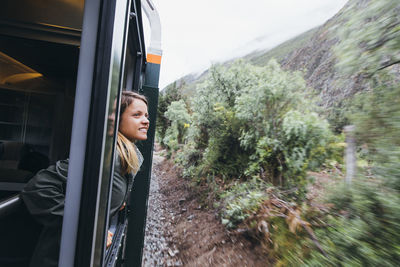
(363, 227)
(247, 131)
(180, 121)
(251, 121)
(364, 222)
(246, 124)
(241, 200)
(170, 94)
(249, 135)
(370, 39)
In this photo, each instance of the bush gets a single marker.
(216, 129)
(180, 120)
(166, 97)
(280, 130)
(250, 121)
(241, 200)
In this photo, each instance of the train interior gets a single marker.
(37, 89)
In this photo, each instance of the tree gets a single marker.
(279, 129)
(180, 119)
(166, 97)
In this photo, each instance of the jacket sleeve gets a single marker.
(119, 188)
(44, 196)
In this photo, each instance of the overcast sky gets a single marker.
(198, 33)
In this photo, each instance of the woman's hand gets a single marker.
(123, 206)
(109, 238)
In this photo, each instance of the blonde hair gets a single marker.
(126, 148)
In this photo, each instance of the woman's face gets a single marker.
(111, 120)
(134, 122)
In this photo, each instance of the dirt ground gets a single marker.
(191, 235)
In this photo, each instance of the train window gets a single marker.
(36, 103)
(37, 88)
(94, 222)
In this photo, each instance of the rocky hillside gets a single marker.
(312, 54)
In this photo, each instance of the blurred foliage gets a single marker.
(377, 120)
(370, 38)
(364, 227)
(284, 229)
(368, 47)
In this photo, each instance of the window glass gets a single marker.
(116, 74)
(37, 85)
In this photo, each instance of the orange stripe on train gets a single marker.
(156, 59)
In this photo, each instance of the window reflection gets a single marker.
(36, 109)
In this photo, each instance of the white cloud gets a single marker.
(196, 34)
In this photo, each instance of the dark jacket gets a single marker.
(122, 184)
(44, 196)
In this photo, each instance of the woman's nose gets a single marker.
(145, 120)
(111, 117)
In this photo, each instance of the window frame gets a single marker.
(101, 67)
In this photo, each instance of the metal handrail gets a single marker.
(9, 205)
(155, 27)
(114, 251)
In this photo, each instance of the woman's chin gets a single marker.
(140, 138)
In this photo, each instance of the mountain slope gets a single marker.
(310, 53)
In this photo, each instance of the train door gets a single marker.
(63, 65)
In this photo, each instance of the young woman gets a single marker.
(44, 195)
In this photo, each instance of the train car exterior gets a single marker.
(63, 66)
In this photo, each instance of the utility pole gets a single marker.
(350, 154)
